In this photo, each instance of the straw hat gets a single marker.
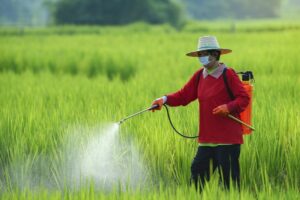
(208, 43)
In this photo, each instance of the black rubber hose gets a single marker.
(182, 135)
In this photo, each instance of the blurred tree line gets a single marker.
(160, 11)
(116, 12)
(234, 9)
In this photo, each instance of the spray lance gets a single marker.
(137, 113)
(171, 123)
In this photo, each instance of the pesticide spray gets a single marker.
(106, 161)
(87, 156)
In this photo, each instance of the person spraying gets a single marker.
(219, 136)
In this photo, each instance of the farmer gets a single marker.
(219, 136)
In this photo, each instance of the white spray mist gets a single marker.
(88, 155)
(106, 160)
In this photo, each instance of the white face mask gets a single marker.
(204, 60)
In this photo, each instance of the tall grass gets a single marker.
(51, 82)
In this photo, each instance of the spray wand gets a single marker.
(171, 123)
(137, 113)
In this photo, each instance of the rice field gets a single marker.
(55, 80)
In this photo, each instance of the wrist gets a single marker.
(164, 99)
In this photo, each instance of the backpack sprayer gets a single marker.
(247, 79)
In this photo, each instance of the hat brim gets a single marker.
(196, 53)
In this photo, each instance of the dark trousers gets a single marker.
(224, 159)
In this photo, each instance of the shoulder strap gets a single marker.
(198, 76)
(226, 84)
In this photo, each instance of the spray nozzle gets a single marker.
(120, 122)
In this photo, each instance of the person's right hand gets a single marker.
(159, 102)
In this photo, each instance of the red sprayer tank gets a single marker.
(247, 79)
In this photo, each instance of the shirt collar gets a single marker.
(216, 73)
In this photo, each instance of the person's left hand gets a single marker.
(221, 110)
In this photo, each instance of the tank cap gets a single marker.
(247, 76)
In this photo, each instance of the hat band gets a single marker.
(209, 47)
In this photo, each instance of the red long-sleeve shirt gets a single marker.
(211, 92)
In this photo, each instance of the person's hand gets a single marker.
(221, 110)
(159, 102)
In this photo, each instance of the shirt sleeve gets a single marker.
(241, 96)
(186, 94)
